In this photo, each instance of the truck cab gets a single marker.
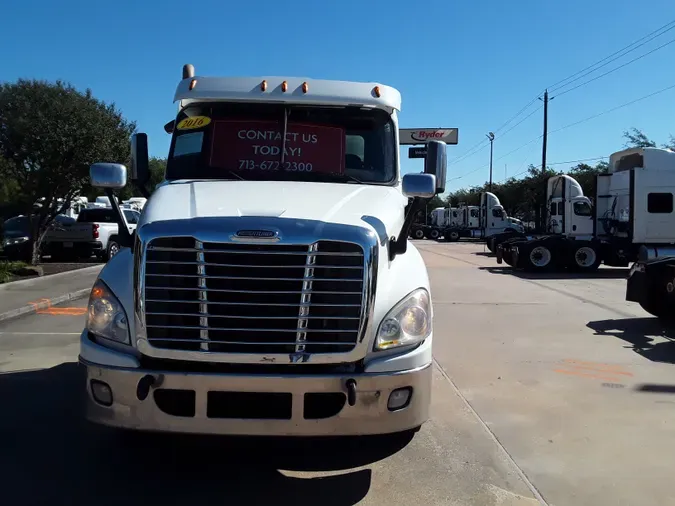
(269, 287)
(570, 213)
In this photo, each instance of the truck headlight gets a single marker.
(409, 322)
(105, 315)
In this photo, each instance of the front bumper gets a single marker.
(259, 405)
(636, 285)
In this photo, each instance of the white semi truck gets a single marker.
(480, 222)
(630, 212)
(269, 287)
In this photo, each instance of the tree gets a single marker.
(636, 138)
(50, 133)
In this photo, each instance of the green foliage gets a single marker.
(8, 270)
(50, 133)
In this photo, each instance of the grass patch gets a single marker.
(8, 270)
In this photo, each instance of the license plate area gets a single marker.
(250, 405)
(67, 244)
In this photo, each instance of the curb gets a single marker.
(58, 275)
(34, 307)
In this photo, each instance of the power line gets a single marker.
(615, 108)
(666, 26)
(587, 119)
(579, 161)
(518, 113)
(470, 152)
(615, 69)
(514, 126)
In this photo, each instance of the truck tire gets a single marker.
(418, 233)
(112, 249)
(452, 235)
(537, 257)
(434, 234)
(584, 257)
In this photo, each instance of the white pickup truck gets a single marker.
(94, 233)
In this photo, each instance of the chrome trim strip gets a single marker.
(294, 232)
(203, 297)
(305, 300)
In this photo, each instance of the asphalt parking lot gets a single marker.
(547, 390)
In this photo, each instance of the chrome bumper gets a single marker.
(202, 396)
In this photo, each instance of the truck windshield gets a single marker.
(244, 141)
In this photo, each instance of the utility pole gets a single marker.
(543, 147)
(490, 136)
(542, 209)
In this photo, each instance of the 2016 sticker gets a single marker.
(193, 122)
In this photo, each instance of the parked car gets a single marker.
(17, 239)
(94, 233)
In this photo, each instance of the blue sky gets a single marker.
(464, 64)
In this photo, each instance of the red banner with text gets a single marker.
(256, 145)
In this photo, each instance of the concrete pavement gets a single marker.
(31, 295)
(574, 381)
(547, 390)
(53, 453)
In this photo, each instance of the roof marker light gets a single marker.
(376, 90)
(284, 86)
(263, 85)
(305, 87)
(193, 83)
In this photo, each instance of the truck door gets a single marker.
(555, 216)
(474, 220)
(580, 221)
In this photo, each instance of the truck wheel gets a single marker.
(434, 234)
(585, 258)
(418, 233)
(538, 258)
(452, 236)
(112, 249)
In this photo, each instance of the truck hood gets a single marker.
(377, 207)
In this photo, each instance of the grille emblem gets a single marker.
(256, 235)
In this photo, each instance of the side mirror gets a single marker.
(436, 163)
(140, 171)
(108, 175)
(419, 185)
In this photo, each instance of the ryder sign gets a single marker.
(412, 136)
(257, 145)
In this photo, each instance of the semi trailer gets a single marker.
(630, 211)
(269, 287)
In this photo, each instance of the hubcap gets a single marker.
(540, 256)
(585, 257)
(114, 249)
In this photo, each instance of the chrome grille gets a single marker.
(244, 298)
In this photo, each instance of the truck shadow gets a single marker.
(51, 455)
(647, 336)
(603, 273)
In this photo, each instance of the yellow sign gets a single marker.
(193, 122)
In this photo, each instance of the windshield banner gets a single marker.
(256, 145)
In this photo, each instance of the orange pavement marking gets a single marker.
(593, 370)
(44, 306)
